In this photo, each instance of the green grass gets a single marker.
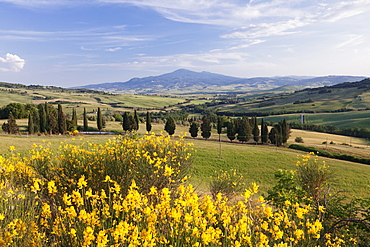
(255, 162)
(89, 100)
(352, 119)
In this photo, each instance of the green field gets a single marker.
(255, 162)
(351, 119)
(90, 101)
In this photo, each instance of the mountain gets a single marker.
(187, 81)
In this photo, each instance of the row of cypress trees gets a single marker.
(243, 129)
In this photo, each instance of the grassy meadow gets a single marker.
(257, 163)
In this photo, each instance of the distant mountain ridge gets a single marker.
(182, 81)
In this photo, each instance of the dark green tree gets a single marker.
(125, 123)
(148, 122)
(47, 126)
(244, 130)
(255, 130)
(18, 110)
(86, 122)
(264, 132)
(99, 120)
(30, 127)
(11, 127)
(206, 127)
(43, 118)
(35, 118)
(52, 120)
(285, 131)
(193, 130)
(136, 118)
(62, 122)
(275, 135)
(128, 122)
(231, 131)
(170, 126)
(74, 119)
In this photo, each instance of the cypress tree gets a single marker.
(244, 130)
(47, 126)
(43, 121)
(125, 123)
(62, 124)
(31, 127)
(170, 126)
(148, 122)
(99, 120)
(205, 127)
(35, 119)
(275, 135)
(231, 132)
(53, 120)
(131, 122)
(193, 130)
(264, 131)
(256, 130)
(285, 131)
(74, 119)
(86, 123)
(136, 118)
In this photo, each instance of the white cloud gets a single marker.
(11, 63)
(351, 40)
(113, 49)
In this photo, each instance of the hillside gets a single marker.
(348, 96)
(185, 81)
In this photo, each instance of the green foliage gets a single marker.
(62, 122)
(148, 122)
(117, 117)
(310, 184)
(244, 129)
(74, 119)
(286, 189)
(255, 130)
(231, 131)
(30, 127)
(229, 183)
(136, 118)
(193, 130)
(205, 127)
(86, 122)
(11, 127)
(328, 154)
(299, 139)
(43, 118)
(99, 120)
(170, 126)
(264, 131)
(128, 122)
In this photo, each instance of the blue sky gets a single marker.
(77, 42)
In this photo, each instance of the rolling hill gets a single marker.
(185, 81)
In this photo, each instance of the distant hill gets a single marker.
(187, 81)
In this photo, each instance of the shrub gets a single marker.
(299, 139)
(228, 183)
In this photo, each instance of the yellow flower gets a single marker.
(81, 182)
(2, 216)
(168, 171)
(88, 236)
(51, 187)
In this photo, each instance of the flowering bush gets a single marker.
(80, 196)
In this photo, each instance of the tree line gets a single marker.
(45, 118)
